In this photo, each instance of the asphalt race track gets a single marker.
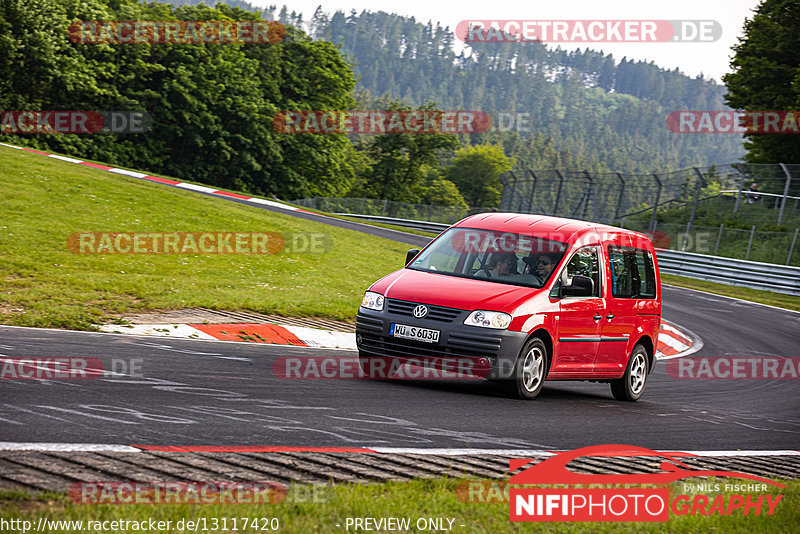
(215, 393)
(189, 392)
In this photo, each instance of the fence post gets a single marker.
(785, 191)
(619, 200)
(719, 237)
(655, 204)
(533, 189)
(513, 191)
(739, 192)
(701, 182)
(588, 196)
(791, 248)
(750, 243)
(430, 212)
(383, 211)
(558, 194)
(455, 219)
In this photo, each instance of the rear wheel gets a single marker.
(631, 386)
(527, 378)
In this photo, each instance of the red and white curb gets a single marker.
(273, 334)
(672, 342)
(96, 447)
(158, 179)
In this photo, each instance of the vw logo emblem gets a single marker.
(420, 311)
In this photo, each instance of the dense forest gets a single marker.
(212, 105)
(598, 112)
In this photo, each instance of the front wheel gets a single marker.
(631, 386)
(529, 371)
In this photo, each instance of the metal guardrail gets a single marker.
(425, 226)
(743, 273)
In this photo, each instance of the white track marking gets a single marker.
(65, 447)
(64, 158)
(129, 173)
(195, 187)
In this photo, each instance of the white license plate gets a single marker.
(426, 335)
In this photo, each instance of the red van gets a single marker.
(520, 299)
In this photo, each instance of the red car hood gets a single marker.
(452, 291)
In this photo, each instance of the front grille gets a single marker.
(435, 313)
(404, 348)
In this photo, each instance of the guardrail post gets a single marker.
(533, 189)
(791, 248)
(655, 204)
(701, 182)
(785, 191)
(619, 200)
(558, 194)
(750, 243)
(719, 237)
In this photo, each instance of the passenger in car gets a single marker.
(544, 266)
(500, 266)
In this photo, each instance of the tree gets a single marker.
(476, 172)
(766, 76)
(399, 161)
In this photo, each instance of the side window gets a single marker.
(584, 263)
(647, 274)
(632, 273)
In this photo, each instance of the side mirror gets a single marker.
(411, 254)
(582, 286)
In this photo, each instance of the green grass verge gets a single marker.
(43, 284)
(331, 506)
(789, 302)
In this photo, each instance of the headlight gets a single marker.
(372, 301)
(488, 319)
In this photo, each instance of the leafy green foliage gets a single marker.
(766, 75)
(476, 171)
(211, 104)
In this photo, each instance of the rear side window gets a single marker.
(632, 273)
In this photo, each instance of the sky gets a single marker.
(692, 58)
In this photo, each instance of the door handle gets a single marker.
(610, 316)
(598, 317)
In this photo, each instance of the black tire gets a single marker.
(529, 372)
(375, 367)
(631, 386)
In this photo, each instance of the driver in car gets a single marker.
(500, 266)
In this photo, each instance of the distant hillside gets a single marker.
(605, 113)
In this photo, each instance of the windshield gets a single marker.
(503, 257)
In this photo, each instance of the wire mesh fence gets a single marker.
(613, 197)
(740, 210)
(749, 211)
(390, 208)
